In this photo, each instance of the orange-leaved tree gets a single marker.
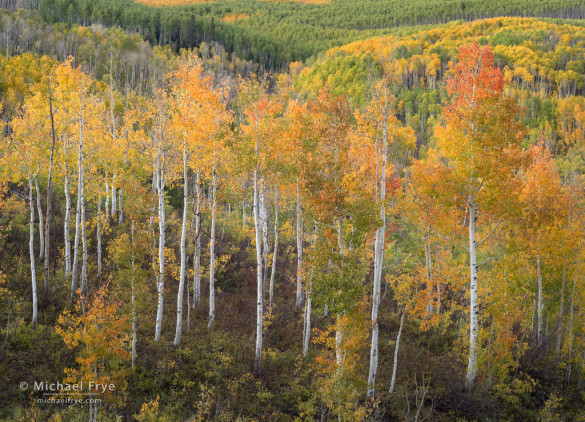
(478, 154)
(100, 334)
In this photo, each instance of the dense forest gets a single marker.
(277, 33)
(198, 228)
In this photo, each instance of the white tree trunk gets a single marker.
(212, 254)
(83, 235)
(394, 369)
(339, 332)
(120, 212)
(473, 308)
(82, 209)
(299, 297)
(307, 328)
(197, 257)
(99, 234)
(259, 291)
(77, 223)
(161, 253)
(571, 320)
(264, 225)
(183, 251)
(133, 282)
(31, 249)
(113, 197)
(49, 206)
(66, 223)
(438, 289)
(540, 305)
(561, 310)
(339, 358)
(378, 263)
(308, 303)
(41, 224)
(272, 274)
(429, 271)
(107, 199)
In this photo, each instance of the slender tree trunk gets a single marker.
(308, 303)
(31, 248)
(299, 297)
(259, 290)
(180, 293)
(339, 355)
(107, 199)
(561, 310)
(489, 355)
(99, 234)
(161, 253)
(188, 298)
(81, 204)
(540, 305)
(49, 207)
(41, 225)
(83, 235)
(571, 320)
(438, 287)
(378, 264)
(113, 197)
(133, 286)
(66, 224)
(120, 212)
(272, 274)
(197, 257)
(212, 254)
(307, 328)
(473, 308)
(395, 367)
(264, 224)
(243, 213)
(77, 231)
(339, 331)
(429, 271)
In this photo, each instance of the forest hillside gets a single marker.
(275, 33)
(389, 229)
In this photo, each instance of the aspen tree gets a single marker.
(480, 141)
(199, 116)
(67, 220)
(22, 154)
(197, 253)
(274, 253)
(544, 206)
(383, 109)
(41, 225)
(33, 270)
(211, 318)
(259, 129)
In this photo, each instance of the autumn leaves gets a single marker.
(448, 238)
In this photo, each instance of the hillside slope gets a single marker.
(544, 63)
(275, 33)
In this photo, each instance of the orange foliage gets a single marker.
(232, 17)
(101, 336)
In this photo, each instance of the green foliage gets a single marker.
(276, 33)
